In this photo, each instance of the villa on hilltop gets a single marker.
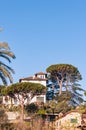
(40, 78)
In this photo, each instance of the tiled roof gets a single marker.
(40, 73)
(75, 111)
(34, 78)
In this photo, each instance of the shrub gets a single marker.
(31, 108)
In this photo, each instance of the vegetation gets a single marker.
(3, 116)
(22, 91)
(5, 70)
(64, 74)
(64, 79)
(31, 108)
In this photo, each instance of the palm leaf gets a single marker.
(4, 45)
(5, 66)
(5, 70)
(5, 57)
(3, 78)
(8, 53)
(6, 73)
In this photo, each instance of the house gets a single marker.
(41, 78)
(68, 120)
(37, 78)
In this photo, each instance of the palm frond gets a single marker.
(3, 78)
(6, 74)
(6, 66)
(5, 57)
(5, 70)
(8, 53)
(4, 45)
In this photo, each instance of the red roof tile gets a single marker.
(40, 73)
(33, 78)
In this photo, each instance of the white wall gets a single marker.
(33, 81)
(28, 100)
(34, 99)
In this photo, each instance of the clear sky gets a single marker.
(44, 32)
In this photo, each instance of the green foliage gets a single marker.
(64, 97)
(57, 107)
(66, 77)
(63, 107)
(24, 88)
(31, 108)
(20, 91)
(5, 70)
(82, 108)
(14, 108)
(1, 98)
(85, 93)
(41, 112)
(63, 71)
(71, 98)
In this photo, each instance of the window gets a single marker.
(15, 101)
(73, 120)
(40, 99)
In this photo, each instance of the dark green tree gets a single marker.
(22, 91)
(66, 77)
(31, 108)
(6, 71)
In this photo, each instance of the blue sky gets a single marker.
(44, 32)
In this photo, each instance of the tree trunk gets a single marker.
(60, 85)
(22, 109)
(60, 90)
